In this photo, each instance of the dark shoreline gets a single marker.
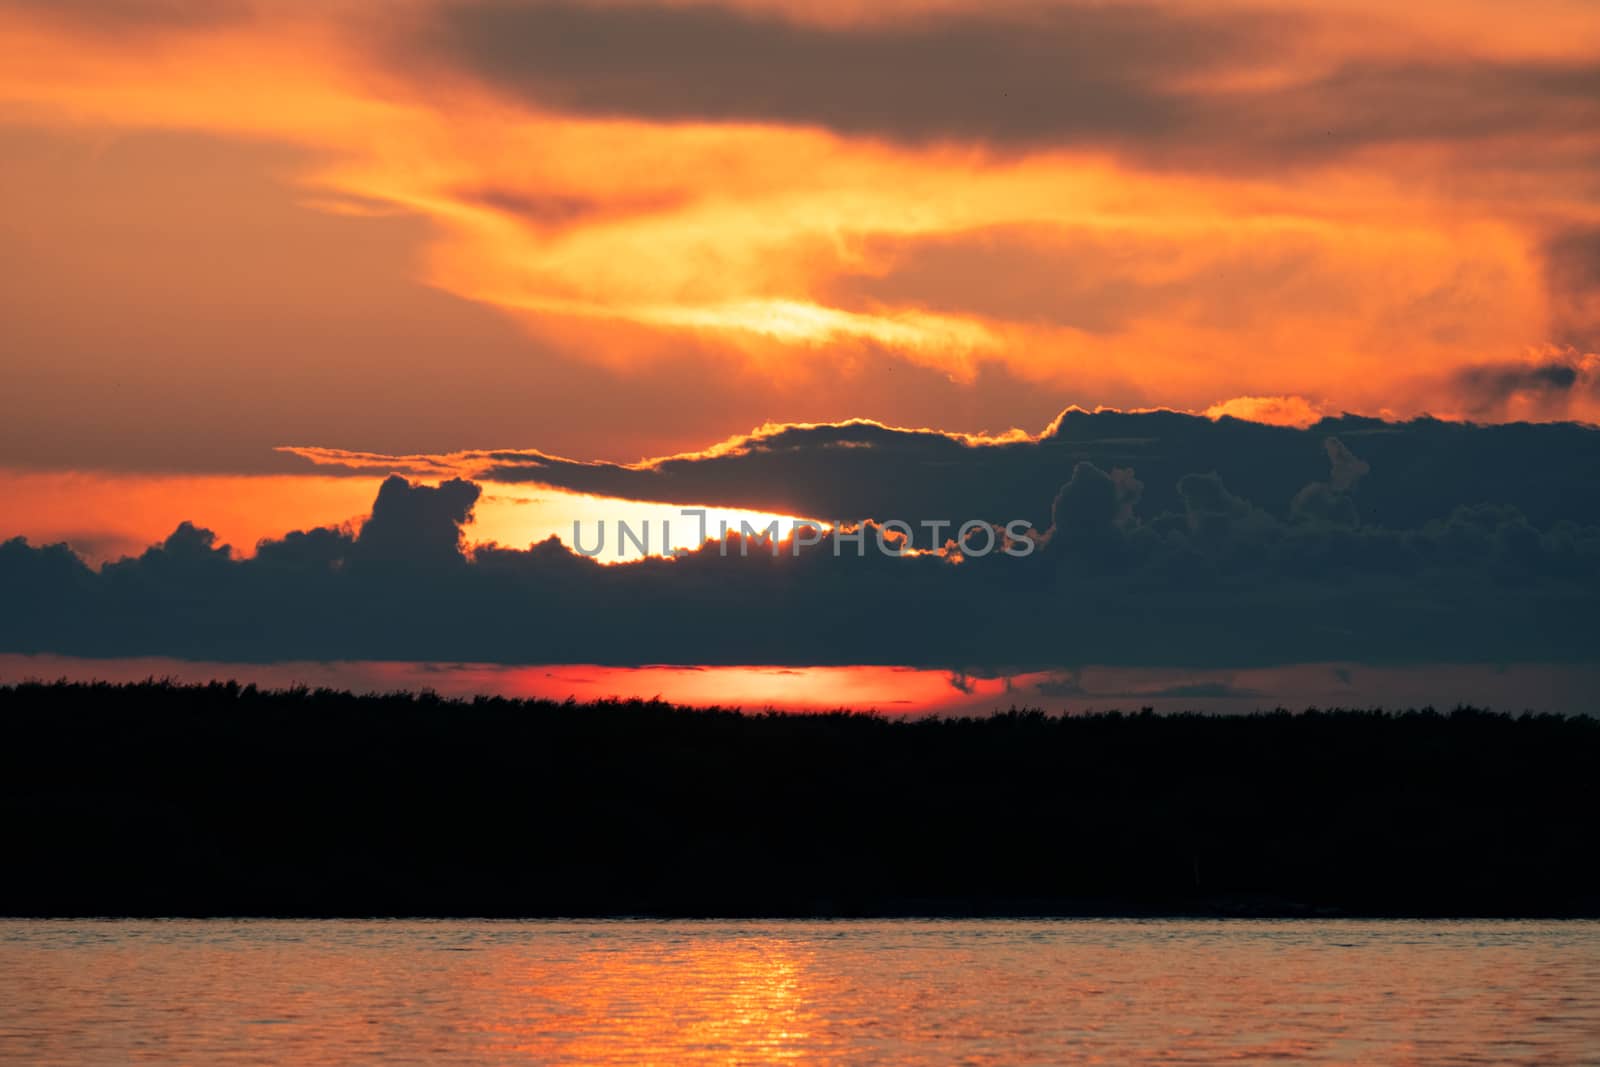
(158, 800)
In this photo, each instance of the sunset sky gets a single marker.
(257, 256)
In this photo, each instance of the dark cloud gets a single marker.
(1069, 684)
(1544, 389)
(1218, 582)
(1348, 469)
(556, 211)
(1094, 508)
(1572, 280)
(1205, 691)
(417, 526)
(1419, 470)
(1333, 500)
(1109, 75)
(1063, 684)
(1075, 71)
(1371, 103)
(1209, 509)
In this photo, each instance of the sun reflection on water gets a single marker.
(670, 998)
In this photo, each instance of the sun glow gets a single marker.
(518, 515)
(105, 516)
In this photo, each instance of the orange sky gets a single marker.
(893, 690)
(108, 516)
(614, 230)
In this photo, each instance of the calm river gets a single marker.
(1004, 992)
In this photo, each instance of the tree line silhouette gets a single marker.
(163, 799)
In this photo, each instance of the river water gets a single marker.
(1002, 991)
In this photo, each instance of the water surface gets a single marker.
(1013, 992)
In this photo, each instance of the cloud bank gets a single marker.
(1411, 472)
(1360, 559)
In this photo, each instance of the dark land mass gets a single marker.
(158, 799)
